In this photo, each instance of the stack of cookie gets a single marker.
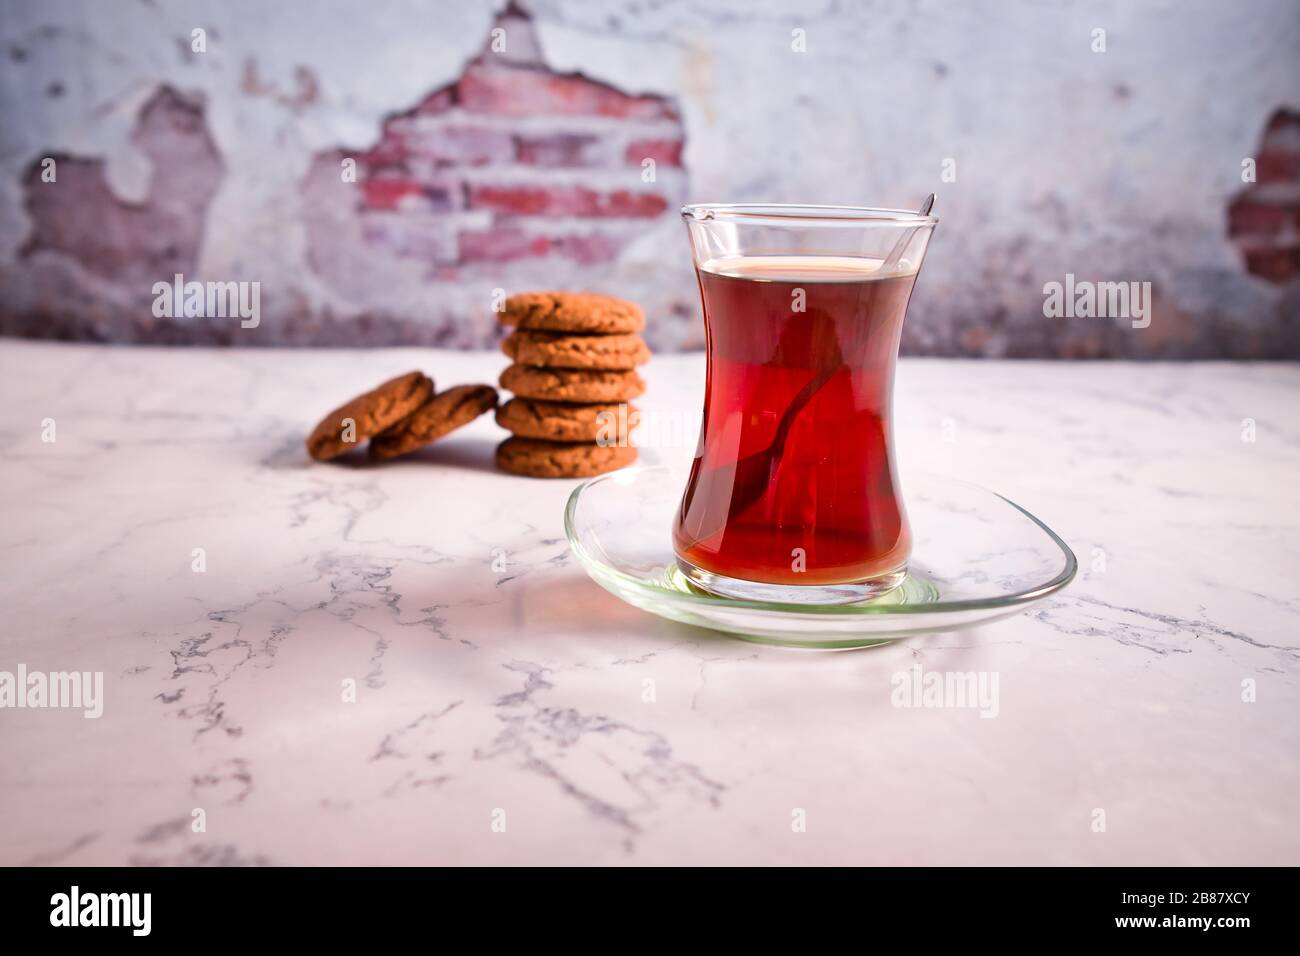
(575, 356)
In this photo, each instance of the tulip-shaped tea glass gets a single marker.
(793, 496)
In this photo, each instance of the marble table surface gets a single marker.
(1148, 714)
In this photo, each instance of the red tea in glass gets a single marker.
(793, 495)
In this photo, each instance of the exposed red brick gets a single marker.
(1264, 217)
(1276, 265)
(556, 149)
(439, 101)
(1284, 122)
(525, 92)
(460, 181)
(387, 152)
(80, 216)
(1276, 166)
(524, 200)
(564, 200)
(625, 203)
(1250, 217)
(665, 152)
(388, 193)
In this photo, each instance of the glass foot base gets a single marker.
(851, 593)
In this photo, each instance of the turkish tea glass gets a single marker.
(793, 495)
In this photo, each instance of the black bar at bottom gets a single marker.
(331, 906)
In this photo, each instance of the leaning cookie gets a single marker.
(572, 385)
(560, 350)
(580, 312)
(367, 415)
(561, 421)
(441, 414)
(535, 458)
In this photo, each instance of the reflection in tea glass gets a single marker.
(793, 495)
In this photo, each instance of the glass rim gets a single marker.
(787, 214)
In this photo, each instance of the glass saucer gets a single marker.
(976, 557)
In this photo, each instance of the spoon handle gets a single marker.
(895, 254)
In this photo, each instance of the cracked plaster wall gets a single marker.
(1123, 165)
